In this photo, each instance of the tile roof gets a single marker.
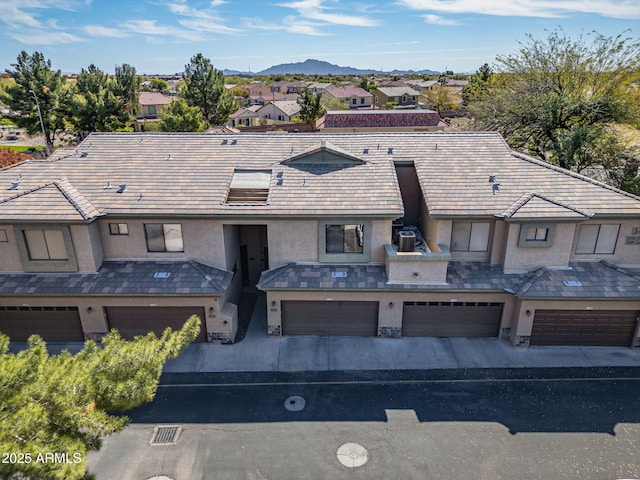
(55, 201)
(347, 92)
(381, 118)
(123, 278)
(154, 98)
(582, 280)
(534, 206)
(598, 279)
(190, 173)
(397, 91)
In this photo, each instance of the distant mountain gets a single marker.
(319, 67)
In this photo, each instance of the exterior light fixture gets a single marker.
(528, 312)
(390, 304)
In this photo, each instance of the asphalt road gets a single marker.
(480, 424)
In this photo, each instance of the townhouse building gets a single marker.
(382, 234)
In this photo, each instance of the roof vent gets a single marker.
(224, 142)
(572, 283)
(13, 186)
(122, 188)
(107, 186)
(365, 151)
(339, 274)
(169, 157)
(492, 179)
(234, 142)
(495, 188)
(83, 154)
(436, 146)
(390, 151)
(161, 274)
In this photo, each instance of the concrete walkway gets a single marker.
(258, 353)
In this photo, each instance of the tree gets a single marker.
(58, 404)
(333, 103)
(94, 105)
(310, 106)
(478, 84)
(178, 116)
(34, 78)
(559, 98)
(441, 98)
(127, 86)
(159, 85)
(204, 88)
(367, 84)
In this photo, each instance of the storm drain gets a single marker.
(165, 435)
(295, 403)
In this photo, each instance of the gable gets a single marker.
(325, 154)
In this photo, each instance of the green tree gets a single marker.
(159, 85)
(178, 116)
(334, 103)
(478, 84)
(367, 84)
(558, 98)
(310, 106)
(59, 403)
(93, 103)
(127, 87)
(34, 77)
(204, 88)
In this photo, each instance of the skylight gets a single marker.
(249, 187)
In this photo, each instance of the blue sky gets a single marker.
(160, 36)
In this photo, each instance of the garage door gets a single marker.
(451, 319)
(584, 327)
(53, 324)
(330, 318)
(132, 321)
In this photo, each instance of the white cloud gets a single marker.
(201, 20)
(289, 24)
(207, 25)
(149, 27)
(100, 31)
(44, 37)
(438, 20)
(529, 8)
(318, 11)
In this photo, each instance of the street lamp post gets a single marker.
(46, 141)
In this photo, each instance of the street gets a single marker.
(490, 424)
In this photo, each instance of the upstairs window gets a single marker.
(164, 237)
(597, 239)
(344, 238)
(470, 236)
(45, 245)
(118, 229)
(536, 235)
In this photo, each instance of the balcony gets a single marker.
(424, 267)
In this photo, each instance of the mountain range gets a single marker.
(319, 67)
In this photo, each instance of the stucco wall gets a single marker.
(624, 254)
(9, 254)
(292, 240)
(525, 258)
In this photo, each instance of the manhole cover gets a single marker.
(295, 403)
(165, 435)
(352, 455)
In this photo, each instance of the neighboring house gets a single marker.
(272, 97)
(258, 89)
(151, 106)
(380, 120)
(280, 111)
(387, 234)
(245, 117)
(425, 85)
(355, 97)
(399, 97)
(316, 87)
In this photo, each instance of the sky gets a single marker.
(160, 36)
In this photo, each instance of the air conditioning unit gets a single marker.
(406, 241)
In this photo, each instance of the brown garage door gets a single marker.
(451, 319)
(330, 318)
(584, 327)
(53, 324)
(132, 321)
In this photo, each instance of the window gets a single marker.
(3, 235)
(470, 236)
(45, 245)
(598, 239)
(164, 237)
(362, 101)
(536, 235)
(118, 229)
(152, 109)
(344, 238)
(354, 101)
